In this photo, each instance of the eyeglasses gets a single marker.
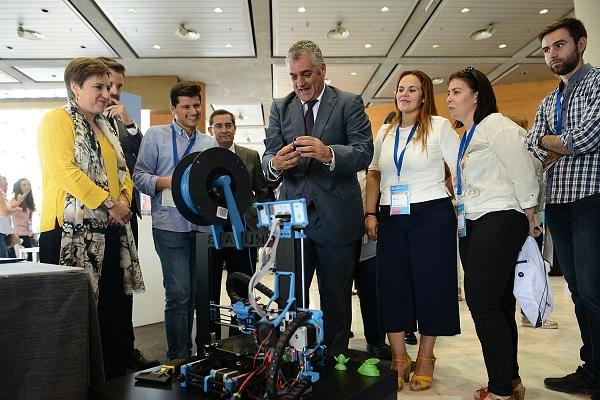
(471, 70)
(227, 125)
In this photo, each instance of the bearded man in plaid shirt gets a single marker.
(566, 138)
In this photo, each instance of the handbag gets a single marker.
(12, 240)
(532, 286)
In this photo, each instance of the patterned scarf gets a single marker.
(83, 242)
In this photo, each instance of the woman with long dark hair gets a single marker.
(415, 227)
(23, 198)
(497, 190)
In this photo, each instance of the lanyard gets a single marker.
(187, 149)
(559, 110)
(398, 160)
(462, 149)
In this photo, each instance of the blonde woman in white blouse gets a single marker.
(415, 227)
(496, 189)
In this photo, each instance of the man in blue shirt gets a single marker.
(566, 138)
(174, 236)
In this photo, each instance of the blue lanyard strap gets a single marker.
(398, 160)
(187, 149)
(559, 109)
(462, 149)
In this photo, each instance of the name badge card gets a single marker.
(167, 198)
(400, 200)
(460, 216)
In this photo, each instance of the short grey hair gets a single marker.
(302, 47)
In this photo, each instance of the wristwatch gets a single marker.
(109, 203)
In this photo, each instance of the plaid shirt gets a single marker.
(574, 176)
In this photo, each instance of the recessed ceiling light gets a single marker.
(44, 10)
(465, 10)
(156, 47)
(82, 46)
(384, 9)
(218, 10)
(328, 81)
(437, 81)
(353, 73)
(482, 34)
(544, 11)
(9, 47)
(301, 9)
(228, 45)
(368, 45)
(435, 45)
(502, 46)
(132, 10)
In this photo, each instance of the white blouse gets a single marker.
(497, 173)
(422, 170)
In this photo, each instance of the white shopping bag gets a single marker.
(532, 287)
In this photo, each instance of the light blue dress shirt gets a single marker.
(156, 159)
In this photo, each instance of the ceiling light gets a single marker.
(156, 46)
(301, 9)
(368, 45)
(544, 11)
(228, 45)
(384, 9)
(465, 10)
(218, 10)
(186, 33)
(28, 34)
(502, 46)
(482, 34)
(435, 45)
(339, 32)
(353, 73)
(328, 81)
(44, 10)
(437, 81)
(132, 10)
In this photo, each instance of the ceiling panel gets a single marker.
(39, 74)
(433, 70)
(66, 33)
(516, 24)
(526, 73)
(5, 78)
(249, 135)
(154, 22)
(349, 77)
(364, 20)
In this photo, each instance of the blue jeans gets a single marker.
(575, 229)
(176, 251)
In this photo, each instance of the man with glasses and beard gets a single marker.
(566, 138)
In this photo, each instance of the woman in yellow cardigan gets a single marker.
(86, 194)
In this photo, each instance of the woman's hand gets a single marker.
(371, 226)
(119, 213)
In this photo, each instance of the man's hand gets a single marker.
(286, 158)
(162, 183)
(551, 157)
(553, 143)
(118, 111)
(310, 146)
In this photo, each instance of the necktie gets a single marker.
(309, 117)
(309, 123)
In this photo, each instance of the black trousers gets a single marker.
(334, 265)
(129, 343)
(489, 254)
(112, 301)
(366, 286)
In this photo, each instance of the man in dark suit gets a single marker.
(130, 137)
(222, 127)
(318, 138)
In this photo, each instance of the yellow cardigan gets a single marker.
(60, 174)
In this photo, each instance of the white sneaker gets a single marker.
(548, 324)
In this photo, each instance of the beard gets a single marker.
(567, 65)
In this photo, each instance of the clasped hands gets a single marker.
(119, 214)
(302, 147)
